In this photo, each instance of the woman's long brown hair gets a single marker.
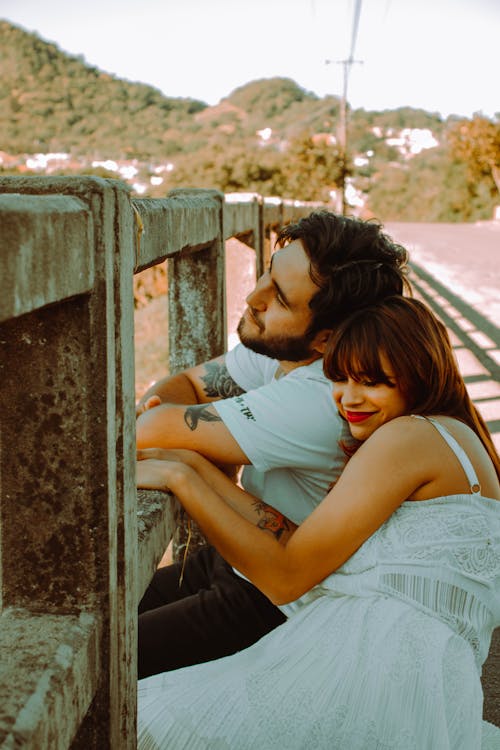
(417, 345)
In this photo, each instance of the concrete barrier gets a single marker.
(68, 512)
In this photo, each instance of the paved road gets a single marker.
(465, 257)
(456, 269)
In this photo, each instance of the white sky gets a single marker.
(440, 55)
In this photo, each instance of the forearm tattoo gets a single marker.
(272, 520)
(218, 381)
(200, 413)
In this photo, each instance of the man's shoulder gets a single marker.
(302, 388)
(249, 369)
(253, 371)
(312, 373)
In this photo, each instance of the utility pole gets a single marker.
(342, 123)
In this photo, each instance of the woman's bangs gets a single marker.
(356, 354)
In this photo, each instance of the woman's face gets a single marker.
(367, 405)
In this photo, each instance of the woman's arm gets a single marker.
(385, 471)
(250, 507)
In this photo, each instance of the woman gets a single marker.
(401, 562)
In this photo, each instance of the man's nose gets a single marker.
(259, 295)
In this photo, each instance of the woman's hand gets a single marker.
(161, 474)
(182, 455)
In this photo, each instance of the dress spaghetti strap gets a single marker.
(459, 452)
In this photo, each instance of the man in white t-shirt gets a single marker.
(265, 405)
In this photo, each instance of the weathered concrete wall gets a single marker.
(49, 674)
(156, 513)
(186, 228)
(68, 503)
(69, 520)
(46, 241)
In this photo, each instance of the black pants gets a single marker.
(214, 613)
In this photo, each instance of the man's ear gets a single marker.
(320, 340)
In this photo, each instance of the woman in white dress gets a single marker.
(397, 571)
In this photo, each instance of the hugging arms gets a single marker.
(376, 389)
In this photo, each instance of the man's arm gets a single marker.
(184, 419)
(197, 427)
(197, 385)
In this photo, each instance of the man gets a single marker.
(266, 405)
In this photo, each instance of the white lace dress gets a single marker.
(385, 654)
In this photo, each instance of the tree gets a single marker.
(432, 186)
(311, 167)
(477, 143)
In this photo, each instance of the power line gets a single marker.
(355, 26)
(342, 125)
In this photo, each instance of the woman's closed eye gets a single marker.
(366, 382)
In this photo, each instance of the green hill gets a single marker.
(51, 102)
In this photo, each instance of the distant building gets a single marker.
(47, 162)
(412, 141)
(265, 134)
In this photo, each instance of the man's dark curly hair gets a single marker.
(352, 261)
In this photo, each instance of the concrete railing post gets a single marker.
(68, 500)
(196, 290)
(187, 229)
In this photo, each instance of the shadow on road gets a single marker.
(476, 341)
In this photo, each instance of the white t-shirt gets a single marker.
(288, 427)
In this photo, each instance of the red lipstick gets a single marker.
(357, 416)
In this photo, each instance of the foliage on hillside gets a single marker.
(53, 102)
(269, 136)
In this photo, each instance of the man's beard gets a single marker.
(282, 347)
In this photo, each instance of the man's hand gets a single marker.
(200, 384)
(150, 403)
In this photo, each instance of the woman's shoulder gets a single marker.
(438, 447)
(413, 426)
(410, 436)
(407, 428)
(405, 439)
